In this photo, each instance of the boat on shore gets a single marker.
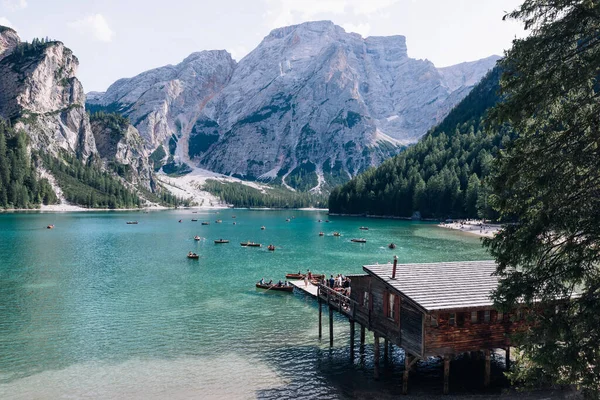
(193, 256)
(271, 247)
(250, 244)
(205, 223)
(219, 241)
(281, 288)
(392, 246)
(131, 222)
(359, 240)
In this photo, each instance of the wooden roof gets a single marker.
(442, 286)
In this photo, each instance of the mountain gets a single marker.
(310, 107)
(51, 142)
(441, 176)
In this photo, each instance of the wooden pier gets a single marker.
(309, 289)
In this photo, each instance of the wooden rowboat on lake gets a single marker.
(205, 222)
(219, 241)
(193, 256)
(392, 246)
(282, 288)
(50, 227)
(364, 228)
(359, 240)
(131, 222)
(271, 247)
(250, 244)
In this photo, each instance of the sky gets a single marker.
(115, 39)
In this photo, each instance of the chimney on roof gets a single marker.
(394, 268)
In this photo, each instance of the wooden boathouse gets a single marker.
(434, 309)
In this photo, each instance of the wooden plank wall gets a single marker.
(466, 336)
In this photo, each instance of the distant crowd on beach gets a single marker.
(476, 226)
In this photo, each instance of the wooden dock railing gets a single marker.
(337, 301)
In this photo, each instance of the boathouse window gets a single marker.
(473, 317)
(366, 299)
(434, 321)
(391, 306)
(486, 316)
(452, 319)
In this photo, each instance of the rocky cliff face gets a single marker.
(39, 91)
(122, 147)
(312, 105)
(41, 95)
(162, 103)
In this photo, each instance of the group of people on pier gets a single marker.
(339, 283)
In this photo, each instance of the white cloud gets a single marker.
(6, 22)
(362, 29)
(94, 25)
(287, 12)
(14, 5)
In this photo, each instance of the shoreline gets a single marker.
(73, 208)
(474, 227)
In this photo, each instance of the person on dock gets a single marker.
(310, 276)
(305, 280)
(331, 282)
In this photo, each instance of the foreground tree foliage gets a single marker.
(549, 181)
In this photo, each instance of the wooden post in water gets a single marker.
(376, 355)
(508, 358)
(362, 339)
(330, 326)
(446, 373)
(320, 316)
(407, 360)
(352, 340)
(386, 350)
(486, 376)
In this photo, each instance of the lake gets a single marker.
(97, 308)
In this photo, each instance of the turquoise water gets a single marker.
(96, 308)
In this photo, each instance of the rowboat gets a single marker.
(50, 227)
(221, 241)
(271, 247)
(336, 234)
(193, 256)
(321, 234)
(287, 220)
(131, 222)
(359, 240)
(194, 220)
(233, 216)
(262, 228)
(218, 221)
(250, 244)
(364, 228)
(392, 246)
(275, 287)
(197, 237)
(205, 222)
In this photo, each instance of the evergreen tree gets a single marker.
(548, 181)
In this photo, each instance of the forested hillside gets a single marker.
(443, 175)
(19, 186)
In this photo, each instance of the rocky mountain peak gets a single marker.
(8, 41)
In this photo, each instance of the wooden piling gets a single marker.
(446, 373)
(320, 318)
(508, 358)
(486, 377)
(362, 339)
(352, 340)
(376, 355)
(386, 349)
(407, 365)
(330, 326)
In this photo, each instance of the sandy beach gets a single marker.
(474, 226)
